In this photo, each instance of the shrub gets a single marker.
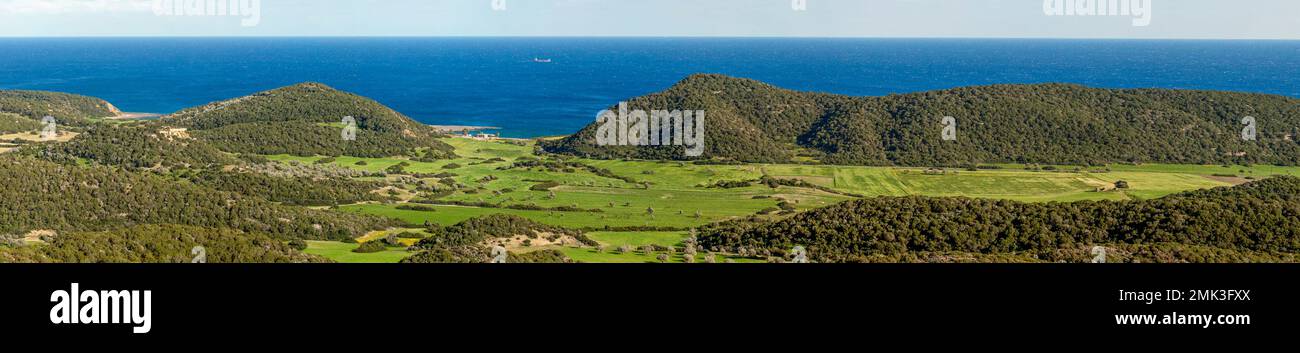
(421, 208)
(410, 235)
(546, 186)
(370, 247)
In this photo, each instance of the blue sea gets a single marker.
(496, 82)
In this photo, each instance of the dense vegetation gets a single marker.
(290, 190)
(466, 242)
(158, 244)
(42, 195)
(1259, 221)
(68, 109)
(1043, 123)
(12, 123)
(306, 120)
(473, 254)
(133, 147)
(480, 229)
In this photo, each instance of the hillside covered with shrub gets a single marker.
(307, 119)
(158, 244)
(468, 241)
(40, 195)
(1255, 222)
(751, 121)
(65, 107)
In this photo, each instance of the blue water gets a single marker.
(494, 81)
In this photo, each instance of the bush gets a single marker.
(421, 208)
(370, 247)
(298, 244)
(785, 206)
(410, 235)
(546, 186)
(399, 168)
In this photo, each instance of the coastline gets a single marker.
(463, 128)
(134, 116)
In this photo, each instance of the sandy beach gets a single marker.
(463, 128)
(134, 116)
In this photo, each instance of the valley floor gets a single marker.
(661, 201)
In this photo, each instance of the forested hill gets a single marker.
(39, 195)
(142, 146)
(307, 119)
(158, 244)
(67, 108)
(1255, 222)
(752, 121)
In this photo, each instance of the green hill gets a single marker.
(67, 108)
(307, 119)
(157, 244)
(1042, 123)
(1255, 222)
(144, 146)
(467, 241)
(40, 195)
(12, 123)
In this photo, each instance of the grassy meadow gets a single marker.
(677, 196)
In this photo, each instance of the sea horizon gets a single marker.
(496, 81)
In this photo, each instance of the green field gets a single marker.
(676, 195)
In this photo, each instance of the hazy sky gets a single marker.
(1261, 19)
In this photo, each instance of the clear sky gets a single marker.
(1219, 19)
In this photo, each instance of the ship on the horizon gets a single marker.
(540, 60)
